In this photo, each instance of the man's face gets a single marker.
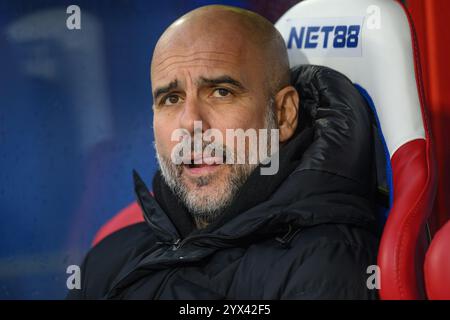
(221, 82)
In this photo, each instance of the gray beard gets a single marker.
(205, 208)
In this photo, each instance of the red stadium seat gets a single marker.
(128, 216)
(437, 265)
(373, 43)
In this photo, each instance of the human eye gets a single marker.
(221, 93)
(171, 99)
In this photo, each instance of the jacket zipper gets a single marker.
(177, 244)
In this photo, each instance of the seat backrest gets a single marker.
(128, 216)
(372, 42)
(437, 265)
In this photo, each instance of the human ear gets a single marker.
(286, 105)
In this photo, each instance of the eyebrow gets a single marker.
(165, 89)
(221, 80)
(203, 81)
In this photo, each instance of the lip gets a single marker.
(202, 165)
(199, 159)
(201, 169)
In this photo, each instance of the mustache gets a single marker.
(197, 152)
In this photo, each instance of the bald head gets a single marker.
(246, 33)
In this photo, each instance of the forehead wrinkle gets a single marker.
(195, 62)
(200, 66)
(174, 65)
(205, 55)
(196, 53)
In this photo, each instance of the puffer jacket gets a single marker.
(313, 238)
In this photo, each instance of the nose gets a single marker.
(193, 112)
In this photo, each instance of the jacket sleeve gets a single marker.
(332, 270)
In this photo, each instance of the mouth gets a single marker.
(199, 166)
(200, 169)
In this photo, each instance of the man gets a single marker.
(220, 230)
